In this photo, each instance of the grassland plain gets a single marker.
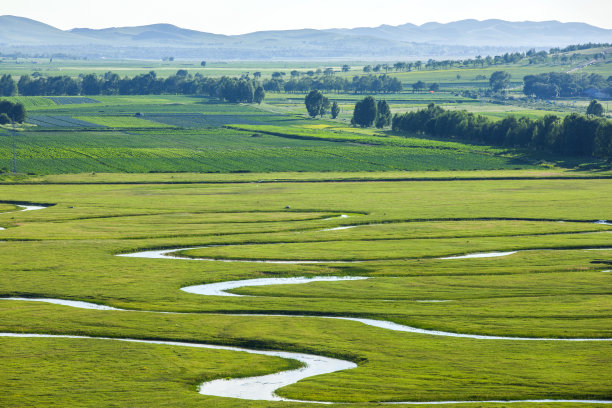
(556, 289)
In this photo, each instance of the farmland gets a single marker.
(196, 135)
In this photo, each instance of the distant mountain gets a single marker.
(489, 32)
(408, 41)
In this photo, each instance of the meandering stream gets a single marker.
(264, 387)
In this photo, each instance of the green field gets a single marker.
(555, 288)
(189, 134)
(183, 133)
(247, 191)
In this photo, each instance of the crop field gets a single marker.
(69, 100)
(464, 327)
(60, 121)
(188, 134)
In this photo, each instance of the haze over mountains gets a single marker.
(461, 38)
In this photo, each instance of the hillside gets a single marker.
(456, 39)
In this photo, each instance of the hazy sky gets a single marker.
(241, 16)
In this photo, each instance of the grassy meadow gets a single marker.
(556, 288)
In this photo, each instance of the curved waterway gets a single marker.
(25, 208)
(264, 387)
(220, 288)
(252, 388)
(171, 254)
(382, 324)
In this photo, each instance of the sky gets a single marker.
(243, 16)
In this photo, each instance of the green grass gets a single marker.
(120, 121)
(67, 251)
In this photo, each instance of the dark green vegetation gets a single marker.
(230, 89)
(12, 112)
(554, 85)
(67, 251)
(574, 135)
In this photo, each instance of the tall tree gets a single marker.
(365, 112)
(259, 95)
(384, 114)
(316, 103)
(595, 108)
(499, 80)
(8, 87)
(91, 85)
(335, 110)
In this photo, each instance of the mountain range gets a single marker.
(456, 39)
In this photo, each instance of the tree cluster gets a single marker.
(316, 103)
(556, 84)
(368, 112)
(8, 86)
(578, 135)
(10, 111)
(578, 47)
(358, 84)
(228, 88)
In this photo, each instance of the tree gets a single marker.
(16, 112)
(435, 87)
(324, 106)
(419, 86)
(335, 110)
(367, 68)
(8, 87)
(365, 112)
(316, 103)
(203, 64)
(384, 114)
(595, 108)
(259, 95)
(499, 80)
(346, 68)
(91, 85)
(4, 119)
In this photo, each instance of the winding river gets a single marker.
(264, 387)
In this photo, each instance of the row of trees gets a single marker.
(555, 84)
(228, 88)
(12, 112)
(581, 135)
(358, 84)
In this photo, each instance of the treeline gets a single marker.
(579, 47)
(182, 83)
(556, 84)
(329, 83)
(576, 134)
(10, 111)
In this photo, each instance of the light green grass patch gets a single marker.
(121, 121)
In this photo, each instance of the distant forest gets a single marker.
(230, 89)
(576, 134)
(556, 84)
